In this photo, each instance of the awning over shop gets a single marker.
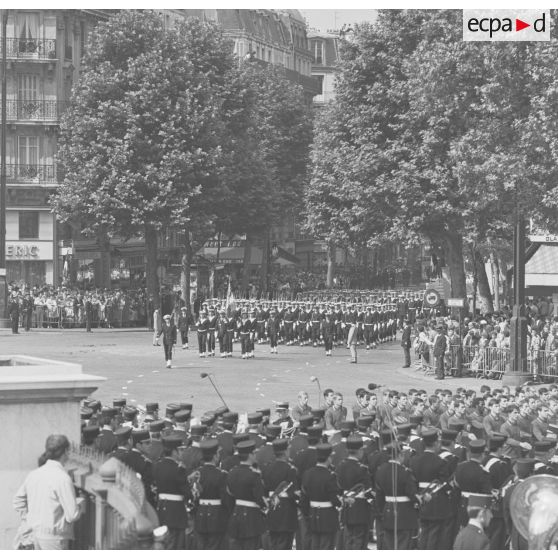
(236, 255)
(542, 267)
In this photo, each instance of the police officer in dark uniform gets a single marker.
(356, 510)
(397, 500)
(155, 450)
(320, 499)
(432, 474)
(107, 440)
(191, 457)
(471, 477)
(139, 463)
(280, 482)
(244, 484)
(13, 311)
(214, 503)
(500, 472)
(122, 451)
(173, 492)
(265, 454)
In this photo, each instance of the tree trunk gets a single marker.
(266, 252)
(475, 281)
(330, 264)
(246, 267)
(185, 273)
(152, 281)
(453, 252)
(103, 281)
(484, 286)
(496, 278)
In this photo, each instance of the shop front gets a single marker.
(29, 262)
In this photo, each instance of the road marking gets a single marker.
(129, 381)
(140, 376)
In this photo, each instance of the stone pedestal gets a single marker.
(38, 397)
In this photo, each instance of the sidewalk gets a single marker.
(4, 331)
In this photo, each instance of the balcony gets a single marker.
(31, 49)
(31, 174)
(35, 109)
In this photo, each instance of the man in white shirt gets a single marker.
(46, 500)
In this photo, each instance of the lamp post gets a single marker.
(518, 326)
(3, 172)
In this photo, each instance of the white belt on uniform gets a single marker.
(209, 502)
(171, 497)
(397, 499)
(467, 494)
(246, 503)
(315, 504)
(424, 484)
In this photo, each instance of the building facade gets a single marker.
(44, 48)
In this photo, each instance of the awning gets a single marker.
(236, 255)
(542, 267)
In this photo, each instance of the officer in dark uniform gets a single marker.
(191, 457)
(265, 454)
(432, 474)
(244, 484)
(472, 536)
(282, 515)
(320, 499)
(225, 437)
(500, 472)
(107, 439)
(88, 309)
(356, 510)
(231, 461)
(254, 428)
(28, 305)
(89, 435)
(397, 500)
(451, 526)
(173, 492)
(123, 445)
(471, 477)
(214, 503)
(139, 463)
(155, 450)
(13, 311)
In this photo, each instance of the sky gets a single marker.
(322, 20)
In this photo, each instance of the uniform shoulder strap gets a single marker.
(489, 464)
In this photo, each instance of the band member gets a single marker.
(183, 323)
(211, 328)
(202, 325)
(272, 326)
(327, 332)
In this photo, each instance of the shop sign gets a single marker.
(29, 251)
(28, 197)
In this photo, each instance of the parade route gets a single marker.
(135, 369)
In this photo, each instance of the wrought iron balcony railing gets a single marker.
(41, 49)
(34, 109)
(31, 174)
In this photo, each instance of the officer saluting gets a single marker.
(280, 482)
(320, 500)
(247, 523)
(173, 489)
(212, 513)
(354, 480)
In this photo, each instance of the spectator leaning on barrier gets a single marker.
(46, 501)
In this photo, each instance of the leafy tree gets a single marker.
(140, 141)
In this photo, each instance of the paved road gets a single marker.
(134, 368)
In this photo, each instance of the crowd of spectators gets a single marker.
(50, 307)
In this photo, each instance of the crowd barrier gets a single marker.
(64, 317)
(116, 514)
(489, 362)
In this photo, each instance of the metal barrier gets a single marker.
(489, 362)
(116, 512)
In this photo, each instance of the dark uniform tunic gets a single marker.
(471, 537)
(404, 500)
(355, 517)
(471, 477)
(212, 512)
(247, 522)
(281, 519)
(173, 490)
(319, 500)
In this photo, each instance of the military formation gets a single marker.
(314, 323)
(407, 470)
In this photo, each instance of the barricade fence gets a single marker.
(489, 362)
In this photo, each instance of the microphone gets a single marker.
(206, 375)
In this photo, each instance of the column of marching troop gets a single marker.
(410, 470)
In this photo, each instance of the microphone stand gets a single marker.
(215, 387)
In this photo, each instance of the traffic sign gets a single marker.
(456, 302)
(431, 298)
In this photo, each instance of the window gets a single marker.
(67, 40)
(317, 48)
(28, 26)
(28, 150)
(320, 80)
(28, 225)
(27, 87)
